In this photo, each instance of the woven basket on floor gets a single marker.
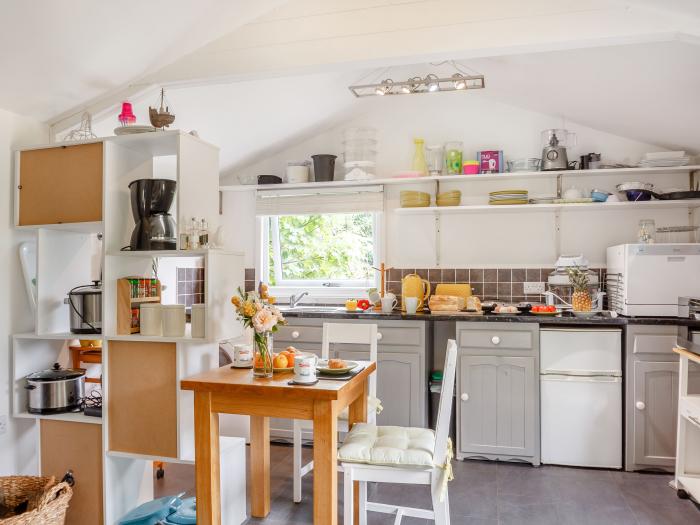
(47, 500)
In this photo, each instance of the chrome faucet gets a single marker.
(294, 300)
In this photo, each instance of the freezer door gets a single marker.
(678, 264)
(590, 351)
(581, 421)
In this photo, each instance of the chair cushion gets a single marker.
(393, 446)
(374, 404)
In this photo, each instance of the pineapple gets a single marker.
(581, 298)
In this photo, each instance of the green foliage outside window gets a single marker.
(327, 247)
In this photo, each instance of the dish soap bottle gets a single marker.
(419, 164)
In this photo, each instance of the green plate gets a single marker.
(322, 367)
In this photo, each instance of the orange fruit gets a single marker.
(289, 356)
(280, 361)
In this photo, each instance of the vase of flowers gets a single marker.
(258, 311)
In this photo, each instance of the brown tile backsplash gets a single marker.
(502, 284)
(190, 286)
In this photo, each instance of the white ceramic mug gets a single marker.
(242, 355)
(389, 303)
(305, 368)
(411, 305)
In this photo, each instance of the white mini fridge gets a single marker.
(581, 397)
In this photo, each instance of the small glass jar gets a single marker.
(647, 231)
(436, 160)
(453, 158)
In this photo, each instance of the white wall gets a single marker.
(17, 454)
(473, 240)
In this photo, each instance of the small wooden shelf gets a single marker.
(125, 303)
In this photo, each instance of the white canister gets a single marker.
(199, 320)
(298, 171)
(151, 319)
(173, 320)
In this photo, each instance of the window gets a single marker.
(327, 250)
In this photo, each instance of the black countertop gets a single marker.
(562, 319)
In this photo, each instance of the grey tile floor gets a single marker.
(488, 493)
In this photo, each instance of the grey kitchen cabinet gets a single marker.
(403, 361)
(652, 397)
(498, 391)
(398, 386)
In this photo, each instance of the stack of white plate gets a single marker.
(664, 159)
(505, 197)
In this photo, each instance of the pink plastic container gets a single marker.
(470, 168)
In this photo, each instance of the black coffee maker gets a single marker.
(150, 201)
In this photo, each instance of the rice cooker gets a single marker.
(85, 304)
(56, 390)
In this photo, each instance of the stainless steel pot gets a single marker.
(56, 390)
(86, 309)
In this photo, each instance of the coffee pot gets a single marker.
(554, 144)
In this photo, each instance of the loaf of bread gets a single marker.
(446, 303)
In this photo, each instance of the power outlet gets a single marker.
(533, 288)
(3, 424)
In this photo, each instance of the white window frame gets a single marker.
(338, 290)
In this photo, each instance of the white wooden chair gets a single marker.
(402, 455)
(341, 333)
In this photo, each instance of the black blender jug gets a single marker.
(150, 202)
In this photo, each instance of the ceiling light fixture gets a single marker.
(459, 81)
(384, 88)
(431, 83)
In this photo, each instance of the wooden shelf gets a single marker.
(597, 206)
(523, 175)
(169, 253)
(139, 300)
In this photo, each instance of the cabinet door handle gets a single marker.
(379, 336)
(640, 405)
(496, 340)
(295, 335)
(464, 397)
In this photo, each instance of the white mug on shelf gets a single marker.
(389, 303)
(411, 305)
(305, 368)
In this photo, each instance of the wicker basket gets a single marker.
(47, 501)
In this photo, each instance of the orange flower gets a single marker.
(236, 301)
(271, 300)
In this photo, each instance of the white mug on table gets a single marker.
(411, 305)
(305, 368)
(389, 302)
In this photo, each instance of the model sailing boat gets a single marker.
(161, 117)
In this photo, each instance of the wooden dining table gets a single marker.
(236, 391)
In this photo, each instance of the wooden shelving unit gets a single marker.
(146, 416)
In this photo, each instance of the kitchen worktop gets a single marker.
(562, 319)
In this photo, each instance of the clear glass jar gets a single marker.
(419, 164)
(436, 160)
(453, 158)
(647, 231)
